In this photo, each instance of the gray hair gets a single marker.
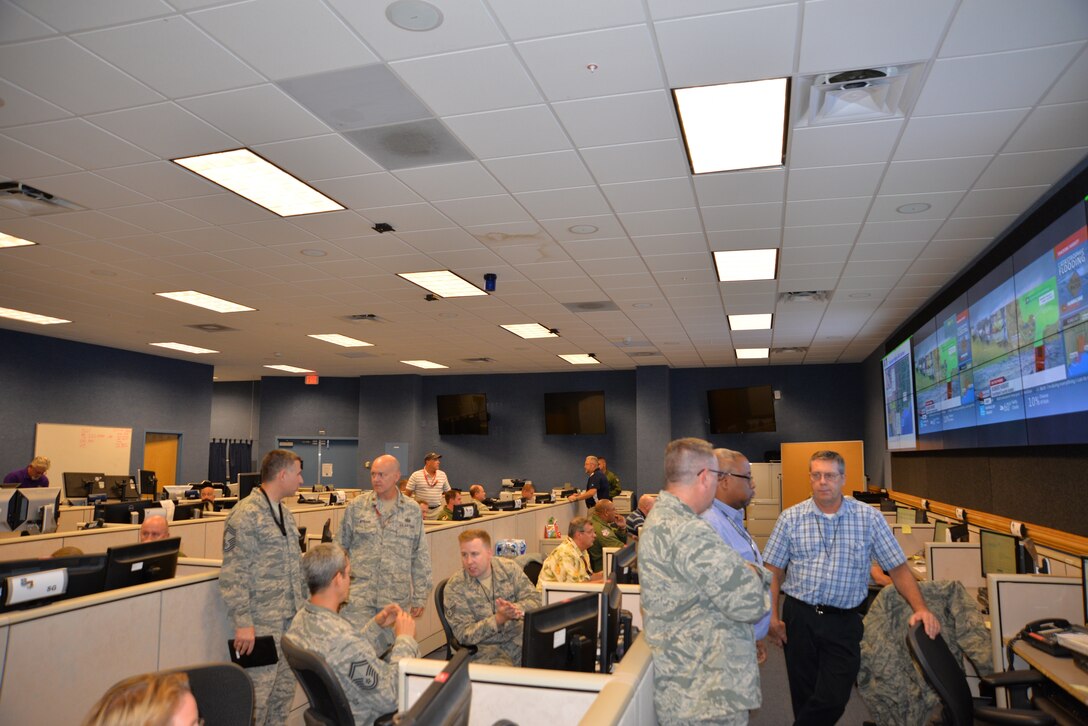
(685, 458)
(322, 563)
(577, 525)
(729, 455)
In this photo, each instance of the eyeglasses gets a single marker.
(825, 475)
(721, 474)
(746, 477)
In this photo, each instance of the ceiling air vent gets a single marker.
(212, 328)
(805, 296)
(595, 306)
(364, 318)
(25, 199)
(864, 94)
(478, 360)
(644, 354)
(797, 350)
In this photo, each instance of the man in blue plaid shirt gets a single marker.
(820, 553)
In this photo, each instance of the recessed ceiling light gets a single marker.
(734, 125)
(30, 317)
(311, 252)
(290, 369)
(583, 229)
(423, 364)
(913, 208)
(738, 265)
(756, 321)
(185, 348)
(580, 359)
(414, 15)
(192, 297)
(248, 175)
(342, 340)
(752, 353)
(530, 330)
(6, 240)
(442, 283)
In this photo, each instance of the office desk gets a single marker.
(1062, 672)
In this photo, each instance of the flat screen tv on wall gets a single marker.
(462, 413)
(574, 412)
(741, 410)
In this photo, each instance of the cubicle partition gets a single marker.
(959, 561)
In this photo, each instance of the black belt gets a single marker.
(827, 609)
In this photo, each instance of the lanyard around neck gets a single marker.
(279, 522)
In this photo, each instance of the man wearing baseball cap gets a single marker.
(429, 483)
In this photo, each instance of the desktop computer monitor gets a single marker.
(34, 508)
(888, 505)
(82, 575)
(121, 512)
(904, 515)
(447, 701)
(188, 510)
(623, 565)
(247, 483)
(1084, 583)
(141, 563)
(78, 484)
(959, 533)
(615, 635)
(175, 491)
(122, 486)
(940, 531)
(147, 482)
(562, 636)
(1002, 554)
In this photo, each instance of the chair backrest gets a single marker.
(943, 673)
(223, 693)
(532, 570)
(452, 643)
(328, 703)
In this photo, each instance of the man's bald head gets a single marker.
(154, 528)
(646, 503)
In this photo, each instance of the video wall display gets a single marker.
(1006, 364)
(899, 398)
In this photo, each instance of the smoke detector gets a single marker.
(27, 200)
(864, 94)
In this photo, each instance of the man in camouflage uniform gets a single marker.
(486, 601)
(610, 529)
(450, 500)
(261, 580)
(699, 600)
(369, 683)
(382, 532)
(479, 494)
(569, 562)
(614, 488)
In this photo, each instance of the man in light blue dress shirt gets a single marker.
(726, 516)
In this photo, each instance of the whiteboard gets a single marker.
(103, 449)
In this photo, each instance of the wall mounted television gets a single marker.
(741, 410)
(574, 412)
(1006, 362)
(462, 413)
(899, 398)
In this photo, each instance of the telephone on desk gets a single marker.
(1043, 634)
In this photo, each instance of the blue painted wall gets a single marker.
(57, 381)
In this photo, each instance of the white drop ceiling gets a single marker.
(98, 96)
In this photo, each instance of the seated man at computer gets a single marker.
(569, 562)
(155, 528)
(450, 499)
(32, 475)
(486, 601)
(528, 493)
(207, 499)
(479, 494)
(611, 530)
(369, 682)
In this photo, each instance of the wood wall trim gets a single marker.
(1045, 536)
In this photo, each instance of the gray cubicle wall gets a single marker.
(58, 381)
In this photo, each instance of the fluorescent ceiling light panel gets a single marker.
(26, 317)
(192, 297)
(442, 283)
(423, 364)
(752, 353)
(6, 240)
(290, 369)
(342, 340)
(743, 265)
(185, 348)
(757, 321)
(580, 359)
(530, 330)
(734, 125)
(248, 175)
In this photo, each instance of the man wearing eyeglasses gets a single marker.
(726, 516)
(819, 553)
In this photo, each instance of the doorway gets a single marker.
(161, 456)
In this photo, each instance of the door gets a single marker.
(161, 456)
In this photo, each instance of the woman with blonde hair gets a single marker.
(151, 699)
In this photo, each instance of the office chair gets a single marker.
(944, 674)
(452, 643)
(223, 693)
(532, 570)
(328, 704)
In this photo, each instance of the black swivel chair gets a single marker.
(452, 643)
(946, 677)
(223, 693)
(328, 704)
(532, 570)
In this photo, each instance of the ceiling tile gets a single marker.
(624, 58)
(894, 251)
(746, 45)
(741, 187)
(649, 195)
(933, 175)
(828, 234)
(88, 190)
(563, 203)
(451, 181)
(66, 18)
(939, 137)
(221, 208)
(986, 26)
(540, 171)
(530, 20)
(318, 157)
(599, 249)
(843, 144)
(902, 230)
(1033, 167)
(619, 119)
(990, 202)
(166, 130)
(834, 181)
(368, 190)
(500, 81)
(465, 24)
(161, 180)
(479, 210)
(1073, 84)
(508, 133)
(742, 216)
(256, 115)
(21, 107)
(670, 221)
(80, 143)
(1052, 127)
(826, 211)
(326, 44)
(636, 162)
(885, 208)
(22, 161)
